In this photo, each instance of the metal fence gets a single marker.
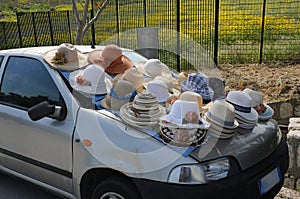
(190, 33)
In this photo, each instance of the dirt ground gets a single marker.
(275, 82)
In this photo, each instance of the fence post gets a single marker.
(34, 29)
(51, 29)
(69, 26)
(118, 24)
(216, 40)
(19, 30)
(93, 25)
(262, 32)
(178, 35)
(145, 14)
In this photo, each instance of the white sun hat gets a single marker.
(160, 89)
(242, 104)
(99, 83)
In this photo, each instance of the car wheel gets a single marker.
(115, 188)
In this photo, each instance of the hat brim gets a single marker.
(140, 65)
(80, 63)
(167, 118)
(218, 133)
(94, 90)
(268, 114)
(119, 68)
(139, 122)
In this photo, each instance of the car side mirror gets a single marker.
(45, 109)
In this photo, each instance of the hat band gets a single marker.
(240, 108)
(122, 97)
(224, 123)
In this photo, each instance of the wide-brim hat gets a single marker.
(242, 103)
(118, 66)
(153, 68)
(143, 112)
(98, 86)
(158, 88)
(65, 57)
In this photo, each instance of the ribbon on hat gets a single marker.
(240, 108)
(125, 97)
(223, 122)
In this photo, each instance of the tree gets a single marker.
(82, 24)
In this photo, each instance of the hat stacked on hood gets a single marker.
(244, 112)
(121, 93)
(135, 77)
(152, 68)
(65, 57)
(264, 111)
(160, 89)
(143, 112)
(221, 116)
(198, 82)
(110, 59)
(183, 126)
(91, 80)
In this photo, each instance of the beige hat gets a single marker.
(192, 97)
(135, 77)
(66, 58)
(153, 68)
(110, 59)
(121, 93)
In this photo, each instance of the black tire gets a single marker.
(116, 188)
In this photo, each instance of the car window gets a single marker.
(26, 82)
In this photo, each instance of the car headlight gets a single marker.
(201, 173)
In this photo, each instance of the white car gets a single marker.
(81, 152)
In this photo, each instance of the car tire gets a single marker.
(117, 188)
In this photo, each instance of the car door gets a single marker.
(40, 150)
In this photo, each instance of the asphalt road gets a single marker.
(14, 188)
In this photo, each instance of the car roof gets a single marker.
(43, 49)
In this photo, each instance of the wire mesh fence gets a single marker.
(190, 34)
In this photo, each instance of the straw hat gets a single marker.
(192, 97)
(221, 116)
(264, 111)
(110, 59)
(160, 89)
(170, 83)
(143, 112)
(198, 82)
(121, 93)
(65, 57)
(135, 77)
(96, 81)
(242, 103)
(153, 68)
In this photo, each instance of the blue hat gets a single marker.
(198, 82)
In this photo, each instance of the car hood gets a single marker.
(247, 149)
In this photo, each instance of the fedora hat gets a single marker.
(192, 97)
(153, 68)
(110, 59)
(160, 89)
(221, 116)
(198, 82)
(184, 114)
(121, 93)
(242, 104)
(96, 81)
(65, 57)
(264, 111)
(143, 112)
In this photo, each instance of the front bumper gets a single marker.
(243, 185)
